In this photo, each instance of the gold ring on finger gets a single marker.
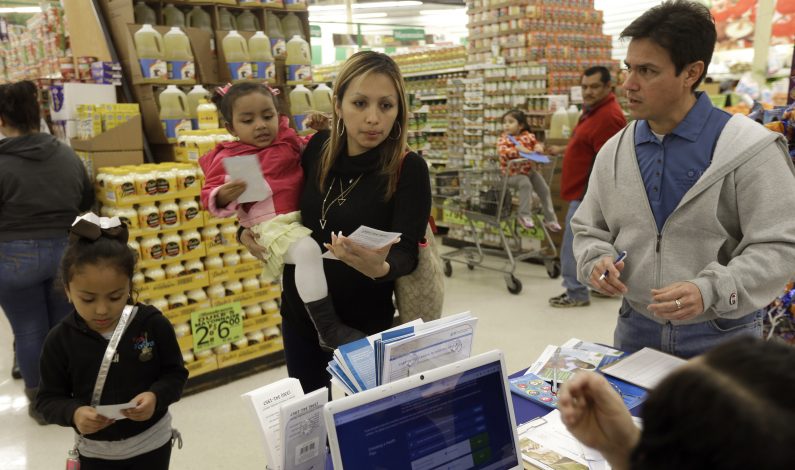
(678, 304)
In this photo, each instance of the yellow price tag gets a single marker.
(216, 326)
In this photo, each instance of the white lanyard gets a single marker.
(126, 315)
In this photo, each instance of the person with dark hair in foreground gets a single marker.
(695, 197)
(729, 409)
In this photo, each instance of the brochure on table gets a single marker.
(291, 424)
(536, 383)
(402, 351)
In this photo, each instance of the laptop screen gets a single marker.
(458, 422)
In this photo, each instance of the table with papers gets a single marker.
(526, 410)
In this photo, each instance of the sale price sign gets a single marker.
(216, 326)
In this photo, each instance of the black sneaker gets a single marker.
(564, 301)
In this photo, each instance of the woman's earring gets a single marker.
(340, 127)
(400, 132)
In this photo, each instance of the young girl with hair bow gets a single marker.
(108, 351)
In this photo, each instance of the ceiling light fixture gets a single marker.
(321, 16)
(362, 6)
(450, 11)
(20, 9)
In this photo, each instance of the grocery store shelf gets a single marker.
(430, 97)
(433, 72)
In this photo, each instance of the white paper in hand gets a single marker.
(114, 411)
(368, 237)
(246, 168)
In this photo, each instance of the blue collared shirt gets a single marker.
(671, 167)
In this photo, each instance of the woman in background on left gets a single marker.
(43, 187)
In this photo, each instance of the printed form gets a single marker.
(645, 368)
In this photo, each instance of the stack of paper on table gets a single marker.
(402, 351)
(645, 368)
(291, 424)
(546, 444)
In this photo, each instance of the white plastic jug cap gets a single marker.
(259, 34)
(171, 87)
(175, 29)
(147, 27)
(295, 36)
(233, 33)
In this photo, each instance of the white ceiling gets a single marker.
(436, 18)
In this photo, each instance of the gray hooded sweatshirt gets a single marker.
(43, 187)
(732, 234)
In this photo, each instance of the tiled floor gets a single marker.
(219, 434)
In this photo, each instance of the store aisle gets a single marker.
(219, 434)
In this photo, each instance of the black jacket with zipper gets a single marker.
(70, 363)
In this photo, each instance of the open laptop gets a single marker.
(458, 416)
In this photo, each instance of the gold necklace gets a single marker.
(340, 199)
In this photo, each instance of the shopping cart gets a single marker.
(479, 199)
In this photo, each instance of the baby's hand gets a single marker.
(522, 149)
(229, 192)
(317, 121)
(539, 148)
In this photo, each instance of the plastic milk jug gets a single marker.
(298, 60)
(300, 105)
(194, 96)
(246, 21)
(259, 47)
(559, 127)
(198, 18)
(226, 21)
(143, 14)
(174, 111)
(173, 16)
(278, 45)
(208, 115)
(574, 116)
(321, 96)
(236, 54)
(292, 26)
(179, 55)
(149, 45)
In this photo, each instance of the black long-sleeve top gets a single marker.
(361, 302)
(70, 363)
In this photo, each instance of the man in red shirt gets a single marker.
(602, 117)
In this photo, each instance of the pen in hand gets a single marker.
(621, 257)
(555, 373)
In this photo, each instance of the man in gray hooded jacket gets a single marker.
(701, 201)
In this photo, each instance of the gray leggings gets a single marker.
(525, 185)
